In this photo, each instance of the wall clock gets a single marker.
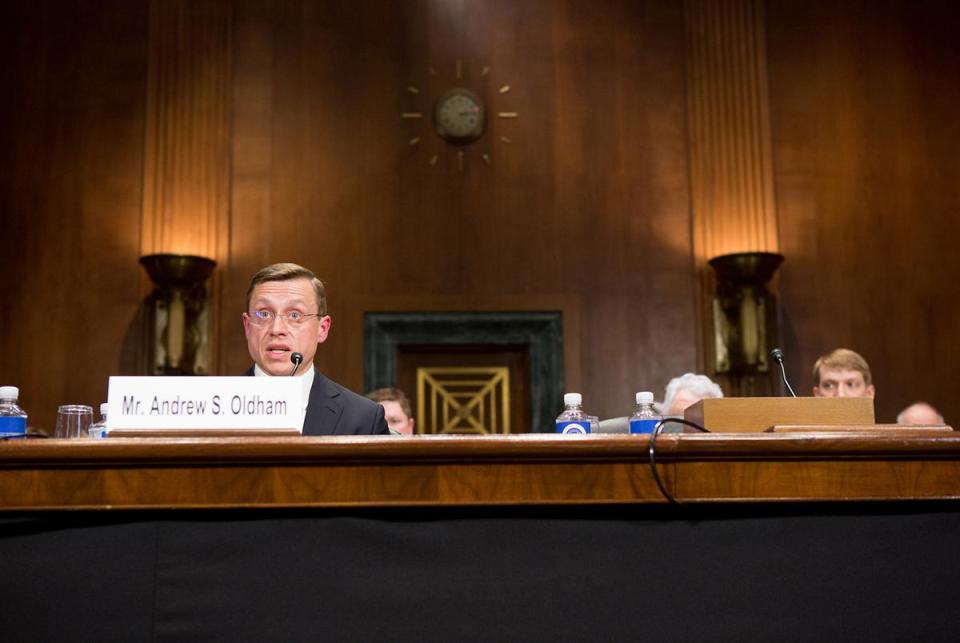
(460, 117)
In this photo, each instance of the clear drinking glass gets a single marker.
(73, 420)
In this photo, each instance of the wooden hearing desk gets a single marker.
(170, 473)
(847, 534)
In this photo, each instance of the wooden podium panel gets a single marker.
(544, 469)
(746, 414)
(493, 537)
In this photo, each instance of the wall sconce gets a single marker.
(744, 311)
(178, 321)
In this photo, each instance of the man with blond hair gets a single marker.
(842, 373)
(286, 318)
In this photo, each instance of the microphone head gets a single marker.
(777, 354)
(296, 358)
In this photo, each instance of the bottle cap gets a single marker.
(103, 410)
(644, 397)
(9, 392)
(572, 399)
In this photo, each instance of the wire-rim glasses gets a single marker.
(264, 317)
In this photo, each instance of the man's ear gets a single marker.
(870, 391)
(324, 329)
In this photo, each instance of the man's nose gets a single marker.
(278, 325)
(843, 391)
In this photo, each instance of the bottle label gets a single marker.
(579, 426)
(643, 426)
(13, 425)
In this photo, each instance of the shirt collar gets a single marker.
(306, 380)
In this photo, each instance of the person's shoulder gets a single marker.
(362, 415)
(349, 397)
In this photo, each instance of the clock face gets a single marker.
(459, 116)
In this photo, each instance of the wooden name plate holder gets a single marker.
(756, 414)
(794, 415)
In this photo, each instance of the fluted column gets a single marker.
(731, 167)
(187, 147)
(729, 121)
(186, 170)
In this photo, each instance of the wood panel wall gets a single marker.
(587, 209)
(71, 129)
(864, 101)
(584, 210)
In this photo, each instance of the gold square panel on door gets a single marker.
(463, 399)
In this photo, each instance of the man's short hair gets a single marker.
(286, 272)
(843, 359)
(700, 386)
(392, 395)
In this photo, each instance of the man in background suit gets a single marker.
(396, 408)
(842, 373)
(287, 314)
(681, 392)
(919, 413)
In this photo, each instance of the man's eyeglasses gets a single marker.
(264, 317)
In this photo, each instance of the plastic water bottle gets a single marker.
(573, 420)
(99, 429)
(13, 419)
(644, 419)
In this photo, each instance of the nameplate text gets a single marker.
(205, 403)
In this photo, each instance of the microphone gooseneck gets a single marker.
(777, 354)
(295, 359)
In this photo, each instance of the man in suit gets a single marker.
(396, 408)
(842, 373)
(287, 314)
(919, 413)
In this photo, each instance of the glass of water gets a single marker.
(73, 420)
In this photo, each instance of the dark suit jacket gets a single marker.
(335, 410)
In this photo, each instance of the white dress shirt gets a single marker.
(306, 381)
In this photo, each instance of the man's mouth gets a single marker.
(278, 349)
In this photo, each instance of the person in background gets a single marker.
(687, 390)
(680, 393)
(842, 373)
(397, 409)
(919, 413)
(286, 314)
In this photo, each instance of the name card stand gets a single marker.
(759, 414)
(204, 407)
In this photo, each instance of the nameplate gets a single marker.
(170, 404)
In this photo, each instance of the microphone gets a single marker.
(296, 358)
(777, 354)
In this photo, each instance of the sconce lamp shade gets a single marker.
(177, 341)
(178, 270)
(744, 311)
(746, 267)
